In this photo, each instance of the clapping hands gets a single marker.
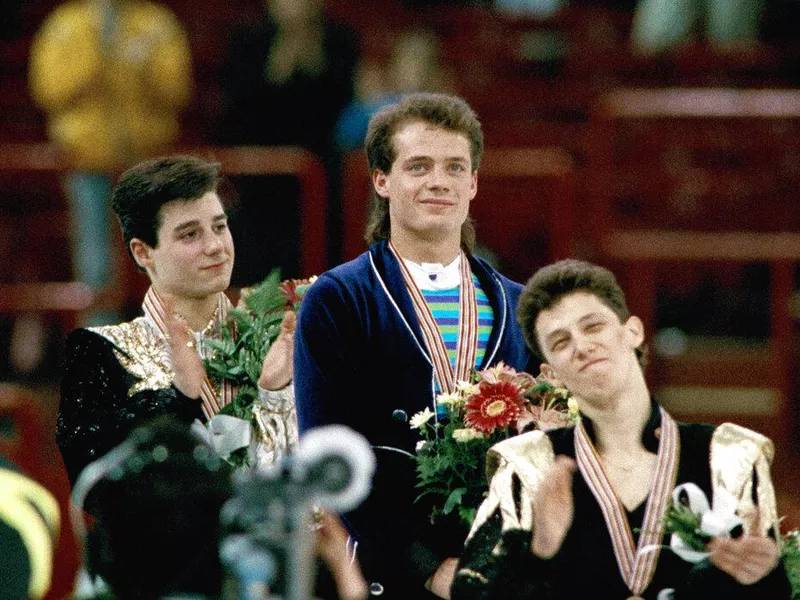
(553, 508)
(277, 370)
(186, 363)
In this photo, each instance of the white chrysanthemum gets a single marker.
(422, 417)
(420, 445)
(466, 435)
(572, 404)
(448, 399)
(466, 387)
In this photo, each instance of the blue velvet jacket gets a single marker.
(360, 360)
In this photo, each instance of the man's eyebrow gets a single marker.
(196, 222)
(422, 157)
(589, 316)
(555, 333)
(563, 330)
(186, 225)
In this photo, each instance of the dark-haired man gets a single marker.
(378, 337)
(580, 512)
(116, 377)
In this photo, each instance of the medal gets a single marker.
(635, 567)
(211, 402)
(446, 376)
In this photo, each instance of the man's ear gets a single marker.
(635, 329)
(381, 183)
(142, 253)
(474, 188)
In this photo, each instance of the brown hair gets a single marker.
(441, 110)
(143, 189)
(551, 283)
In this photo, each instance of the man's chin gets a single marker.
(218, 284)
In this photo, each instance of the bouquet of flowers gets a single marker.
(692, 523)
(498, 403)
(249, 331)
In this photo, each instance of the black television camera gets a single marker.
(267, 545)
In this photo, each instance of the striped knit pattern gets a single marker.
(444, 307)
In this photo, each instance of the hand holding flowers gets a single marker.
(701, 531)
(255, 351)
(451, 455)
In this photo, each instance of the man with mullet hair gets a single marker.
(380, 336)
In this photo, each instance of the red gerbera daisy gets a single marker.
(494, 405)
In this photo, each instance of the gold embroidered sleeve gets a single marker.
(276, 421)
(740, 460)
(528, 457)
(142, 353)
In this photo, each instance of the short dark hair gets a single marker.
(143, 189)
(441, 110)
(551, 283)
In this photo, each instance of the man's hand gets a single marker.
(189, 369)
(440, 582)
(747, 559)
(332, 549)
(553, 508)
(278, 369)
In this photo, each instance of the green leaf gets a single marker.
(453, 500)
(467, 513)
(239, 355)
(267, 297)
(228, 409)
(790, 556)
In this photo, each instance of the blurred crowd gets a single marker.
(111, 81)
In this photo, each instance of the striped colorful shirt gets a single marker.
(444, 307)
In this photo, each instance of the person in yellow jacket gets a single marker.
(112, 77)
(29, 525)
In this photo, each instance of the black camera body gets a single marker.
(267, 525)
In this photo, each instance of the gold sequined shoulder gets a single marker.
(730, 433)
(737, 454)
(529, 453)
(142, 352)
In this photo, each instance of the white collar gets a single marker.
(435, 276)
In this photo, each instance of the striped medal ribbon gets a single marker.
(636, 568)
(211, 401)
(446, 377)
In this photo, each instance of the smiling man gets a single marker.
(579, 512)
(117, 377)
(378, 337)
